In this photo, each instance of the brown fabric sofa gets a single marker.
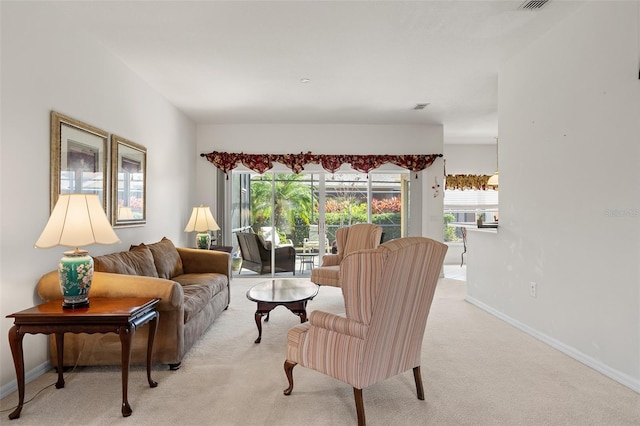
(193, 286)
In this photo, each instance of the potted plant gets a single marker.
(236, 261)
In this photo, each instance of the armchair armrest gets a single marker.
(331, 259)
(337, 324)
(106, 284)
(198, 261)
(285, 252)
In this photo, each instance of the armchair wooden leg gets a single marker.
(418, 377)
(357, 393)
(288, 370)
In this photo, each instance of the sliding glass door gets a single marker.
(305, 210)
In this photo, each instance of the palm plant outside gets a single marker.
(293, 199)
(296, 207)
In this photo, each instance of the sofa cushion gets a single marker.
(326, 275)
(135, 262)
(199, 289)
(165, 257)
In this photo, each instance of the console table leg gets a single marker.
(126, 334)
(153, 326)
(15, 341)
(60, 354)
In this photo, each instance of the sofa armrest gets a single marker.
(331, 259)
(198, 261)
(106, 284)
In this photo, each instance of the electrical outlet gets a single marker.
(533, 289)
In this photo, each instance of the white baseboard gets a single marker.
(29, 376)
(622, 378)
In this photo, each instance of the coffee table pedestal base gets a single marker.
(298, 308)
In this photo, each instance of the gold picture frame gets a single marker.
(78, 159)
(128, 183)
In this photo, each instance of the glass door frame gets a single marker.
(411, 203)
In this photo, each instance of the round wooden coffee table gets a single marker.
(293, 294)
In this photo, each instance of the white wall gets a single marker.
(471, 159)
(47, 66)
(331, 139)
(569, 118)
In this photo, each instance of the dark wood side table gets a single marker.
(104, 315)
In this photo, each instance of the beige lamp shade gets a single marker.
(77, 220)
(201, 220)
(125, 213)
(493, 181)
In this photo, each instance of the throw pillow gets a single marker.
(265, 244)
(115, 263)
(143, 262)
(138, 262)
(166, 258)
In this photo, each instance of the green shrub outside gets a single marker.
(390, 223)
(449, 231)
(300, 230)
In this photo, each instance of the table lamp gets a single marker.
(202, 221)
(77, 220)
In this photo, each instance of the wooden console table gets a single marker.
(104, 315)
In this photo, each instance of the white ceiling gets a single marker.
(368, 61)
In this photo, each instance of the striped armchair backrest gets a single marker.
(356, 237)
(389, 290)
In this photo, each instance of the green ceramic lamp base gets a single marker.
(203, 241)
(75, 272)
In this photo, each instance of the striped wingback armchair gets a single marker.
(348, 239)
(388, 293)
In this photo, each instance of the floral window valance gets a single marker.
(462, 182)
(260, 163)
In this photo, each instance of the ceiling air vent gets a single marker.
(420, 106)
(533, 4)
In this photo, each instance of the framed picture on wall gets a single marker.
(78, 159)
(128, 182)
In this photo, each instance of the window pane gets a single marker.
(346, 202)
(465, 208)
(388, 206)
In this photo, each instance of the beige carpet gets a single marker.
(477, 370)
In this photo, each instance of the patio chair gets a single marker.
(256, 254)
(275, 239)
(312, 243)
